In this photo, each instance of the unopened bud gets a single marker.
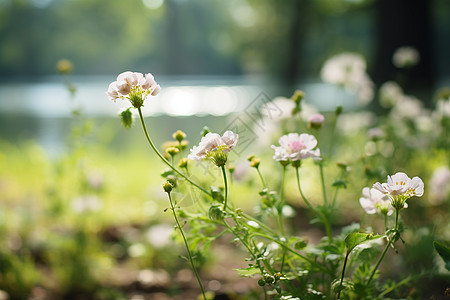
(183, 163)
(298, 96)
(315, 121)
(205, 131)
(179, 135)
(254, 163)
(167, 187)
(64, 66)
(172, 151)
(215, 213)
(250, 157)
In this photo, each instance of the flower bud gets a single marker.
(254, 163)
(231, 168)
(298, 96)
(179, 135)
(215, 213)
(261, 282)
(172, 179)
(205, 131)
(315, 121)
(167, 187)
(172, 151)
(338, 110)
(250, 157)
(126, 117)
(183, 163)
(64, 66)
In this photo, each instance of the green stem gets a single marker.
(249, 249)
(280, 216)
(164, 159)
(324, 217)
(283, 177)
(322, 178)
(224, 173)
(343, 272)
(261, 177)
(187, 247)
(335, 196)
(385, 249)
(282, 244)
(300, 189)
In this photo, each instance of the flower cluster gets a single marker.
(134, 87)
(215, 147)
(296, 147)
(399, 188)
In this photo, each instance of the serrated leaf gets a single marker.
(354, 239)
(444, 252)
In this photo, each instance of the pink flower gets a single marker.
(214, 147)
(296, 147)
(134, 87)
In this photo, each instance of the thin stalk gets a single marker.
(283, 178)
(300, 189)
(261, 177)
(335, 196)
(324, 217)
(280, 216)
(187, 247)
(343, 272)
(322, 179)
(164, 159)
(313, 263)
(249, 249)
(224, 173)
(385, 249)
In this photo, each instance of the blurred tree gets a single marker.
(404, 23)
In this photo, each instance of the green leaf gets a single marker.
(354, 239)
(444, 252)
(248, 272)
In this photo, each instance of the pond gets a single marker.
(41, 110)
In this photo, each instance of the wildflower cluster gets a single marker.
(286, 266)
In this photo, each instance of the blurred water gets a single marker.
(41, 110)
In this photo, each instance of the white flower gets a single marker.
(214, 147)
(405, 57)
(134, 87)
(296, 147)
(390, 94)
(374, 201)
(399, 188)
(349, 70)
